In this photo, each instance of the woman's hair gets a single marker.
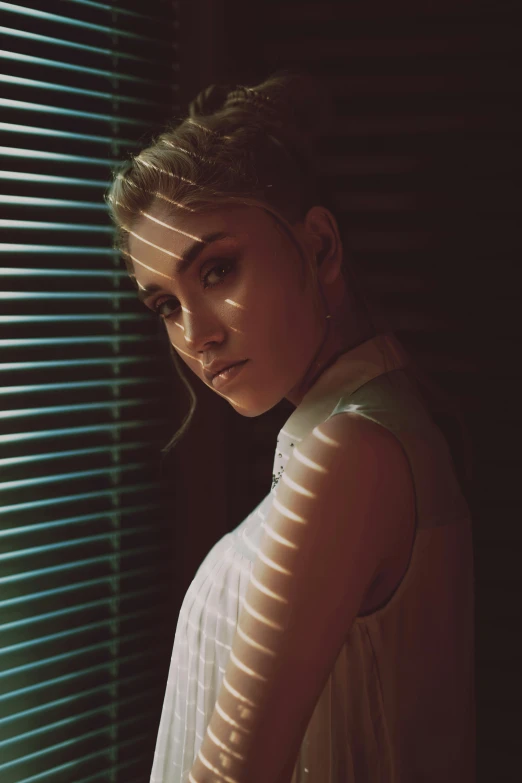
(240, 145)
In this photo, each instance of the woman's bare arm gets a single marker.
(325, 539)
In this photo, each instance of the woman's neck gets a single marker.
(341, 334)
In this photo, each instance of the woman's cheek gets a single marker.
(175, 333)
(177, 339)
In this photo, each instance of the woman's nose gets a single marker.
(199, 332)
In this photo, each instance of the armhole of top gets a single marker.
(400, 571)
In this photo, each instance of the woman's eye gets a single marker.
(223, 265)
(159, 305)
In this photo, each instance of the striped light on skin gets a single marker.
(253, 202)
(260, 631)
(244, 201)
(259, 635)
(135, 260)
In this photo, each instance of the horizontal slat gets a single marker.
(65, 589)
(109, 752)
(51, 731)
(47, 39)
(17, 437)
(19, 152)
(52, 319)
(73, 542)
(112, 75)
(69, 744)
(53, 683)
(112, 383)
(27, 271)
(32, 201)
(113, 449)
(115, 339)
(103, 517)
(53, 364)
(56, 641)
(77, 608)
(117, 11)
(41, 225)
(20, 176)
(32, 458)
(116, 471)
(53, 410)
(109, 709)
(88, 561)
(92, 496)
(101, 777)
(54, 87)
(103, 709)
(80, 23)
(45, 108)
(10, 247)
(39, 735)
(40, 131)
(26, 667)
(69, 700)
(76, 295)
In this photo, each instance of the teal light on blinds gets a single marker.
(86, 619)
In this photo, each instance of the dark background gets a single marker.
(424, 164)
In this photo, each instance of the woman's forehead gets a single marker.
(159, 234)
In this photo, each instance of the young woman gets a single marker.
(329, 638)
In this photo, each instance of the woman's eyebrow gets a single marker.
(188, 258)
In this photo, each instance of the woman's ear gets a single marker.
(325, 239)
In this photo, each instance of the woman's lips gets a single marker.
(225, 376)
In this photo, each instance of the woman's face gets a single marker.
(242, 297)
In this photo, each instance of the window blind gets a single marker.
(84, 576)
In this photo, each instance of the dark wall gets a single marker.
(425, 168)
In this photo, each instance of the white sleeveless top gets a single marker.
(399, 704)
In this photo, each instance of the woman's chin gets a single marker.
(252, 405)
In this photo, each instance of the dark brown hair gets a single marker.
(243, 145)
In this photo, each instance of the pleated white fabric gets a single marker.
(204, 634)
(392, 711)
